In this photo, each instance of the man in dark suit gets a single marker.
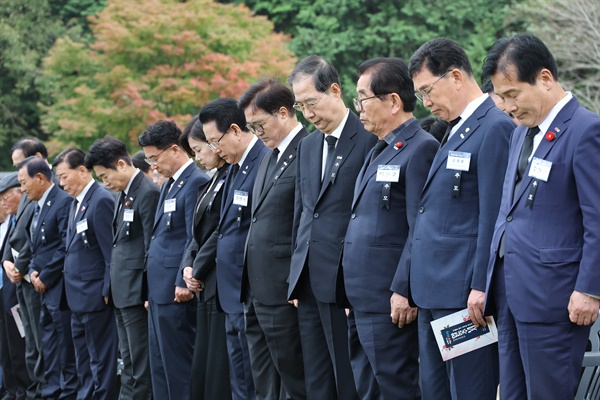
(226, 132)
(543, 276)
(87, 277)
(457, 210)
(15, 375)
(275, 353)
(132, 222)
(377, 243)
(46, 233)
(329, 161)
(18, 255)
(171, 314)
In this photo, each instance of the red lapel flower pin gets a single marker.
(127, 203)
(397, 145)
(550, 136)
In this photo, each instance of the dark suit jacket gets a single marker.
(553, 247)
(269, 243)
(9, 292)
(18, 239)
(171, 235)
(231, 233)
(131, 241)
(87, 261)
(200, 255)
(48, 244)
(452, 236)
(322, 211)
(377, 247)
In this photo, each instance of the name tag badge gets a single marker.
(218, 185)
(170, 205)
(82, 226)
(388, 173)
(458, 161)
(540, 169)
(128, 215)
(240, 198)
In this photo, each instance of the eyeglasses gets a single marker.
(308, 104)
(7, 196)
(258, 126)
(214, 146)
(358, 103)
(153, 160)
(424, 93)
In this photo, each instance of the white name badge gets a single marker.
(240, 198)
(128, 215)
(170, 205)
(388, 173)
(540, 169)
(82, 226)
(458, 161)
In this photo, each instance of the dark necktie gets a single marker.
(451, 125)
(330, 152)
(379, 146)
(524, 157)
(271, 166)
(120, 207)
(35, 219)
(233, 171)
(165, 189)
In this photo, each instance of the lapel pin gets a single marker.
(49, 203)
(397, 145)
(127, 203)
(290, 157)
(467, 130)
(82, 208)
(550, 136)
(180, 184)
(462, 136)
(556, 129)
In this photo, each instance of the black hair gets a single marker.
(36, 165)
(436, 126)
(30, 147)
(183, 139)
(323, 73)
(224, 112)
(72, 156)
(106, 152)
(390, 75)
(526, 52)
(439, 56)
(161, 134)
(139, 161)
(268, 95)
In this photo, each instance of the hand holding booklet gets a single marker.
(456, 335)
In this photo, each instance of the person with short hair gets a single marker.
(329, 160)
(46, 234)
(457, 209)
(543, 277)
(132, 220)
(171, 313)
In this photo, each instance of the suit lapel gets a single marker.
(44, 211)
(175, 188)
(127, 204)
(81, 212)
(461, 136)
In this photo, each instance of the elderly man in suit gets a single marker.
(87, 277)
(226, 132)
(132, 221)
(543, 275)
(275, 353)
(16, 378)
(377, 244)
(46, 233)
(329, 161)
(457, 210)
(16, 257)
(171, 314)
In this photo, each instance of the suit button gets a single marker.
(114, 245)
(421, 209)
(307, 242)
(353, 216)
(153, 237)
(316, 215)
(221, 236)
(253, 219)
(509, 218)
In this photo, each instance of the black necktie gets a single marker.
(330, 152)
(524, 157)
(233, 171)
(271, 166)
(166, 187)
(451, 125)
(379, 146)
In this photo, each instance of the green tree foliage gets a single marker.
(347, 32)
(160, 61)
(572, 32)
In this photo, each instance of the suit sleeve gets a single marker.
(297, 198)
(104, 235)
(491, 168)
(586, 167)
(147, 210)
(415, 176)
(53, 271)
(205, 259)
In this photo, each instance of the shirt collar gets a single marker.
(469, 110)
(337, 132)
(178, 173)
(545, 124)
(137, 171)
(44, 197)
(288, 139)
(248, 148)
(81, 195)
